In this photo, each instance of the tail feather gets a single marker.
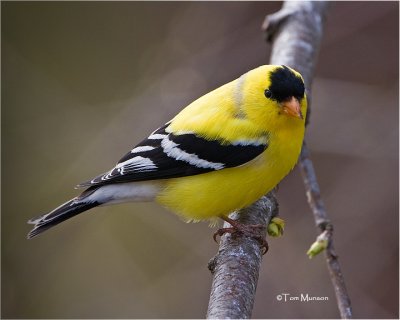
(67, 210)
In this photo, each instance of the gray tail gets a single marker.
(67, 210)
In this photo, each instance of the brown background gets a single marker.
(83, 82)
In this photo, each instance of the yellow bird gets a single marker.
(219, 154)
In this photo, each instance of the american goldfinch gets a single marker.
(219, 154)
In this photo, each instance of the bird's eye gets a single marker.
(268, 93)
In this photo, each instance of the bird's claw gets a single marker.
(220, 232)
(252, 230)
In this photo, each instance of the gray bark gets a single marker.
(237, 263)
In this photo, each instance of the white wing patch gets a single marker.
(157, 136)
(136, 163)
(171, 150)
(250, 142)
(142, 149)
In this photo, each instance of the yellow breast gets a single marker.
(217, 193)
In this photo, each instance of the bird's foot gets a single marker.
(255, 231)
(221, 231)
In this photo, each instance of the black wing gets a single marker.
(166, 155)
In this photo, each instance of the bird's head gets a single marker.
(274, 94)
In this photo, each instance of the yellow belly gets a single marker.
(209, 195)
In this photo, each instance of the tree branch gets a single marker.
(237, 263)
(322, 221)
(296, 44)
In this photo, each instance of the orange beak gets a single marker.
(292, 108)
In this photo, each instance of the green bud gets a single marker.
(273, 230)
(317, 247)
(275, 227)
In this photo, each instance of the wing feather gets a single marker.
(166, 155)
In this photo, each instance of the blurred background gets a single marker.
(82, 82)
